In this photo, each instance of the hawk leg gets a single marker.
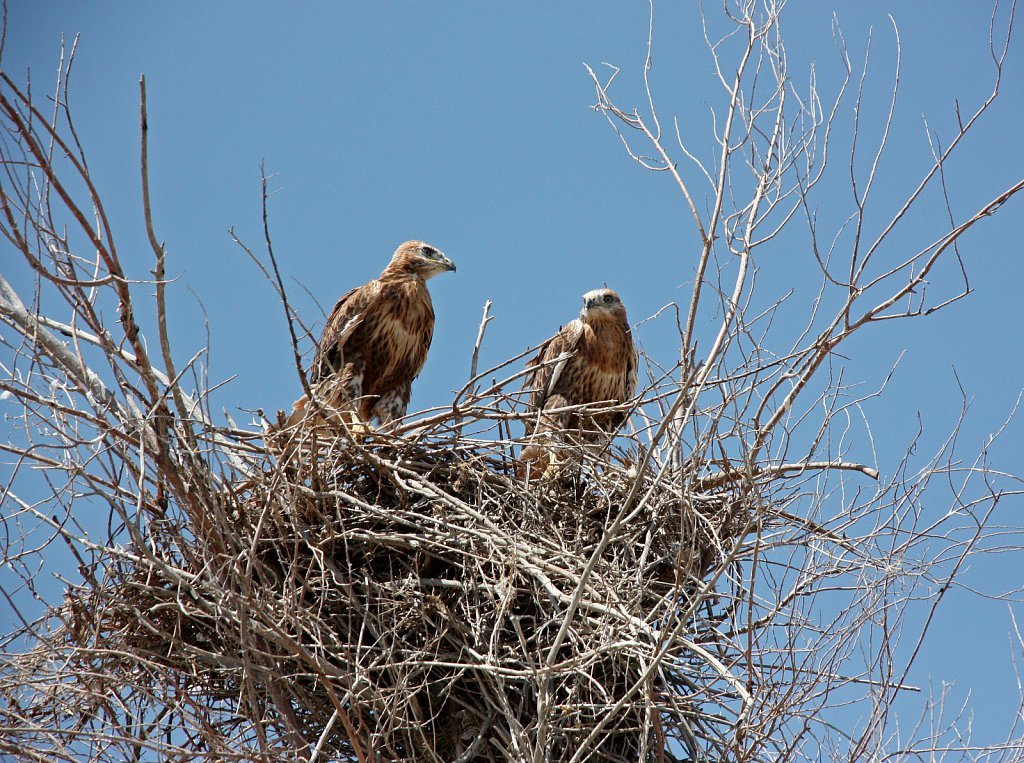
(546, 439)
(391, 405)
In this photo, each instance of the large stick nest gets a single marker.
(394, 598)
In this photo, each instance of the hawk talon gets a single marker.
(553, 472)
(361, 429)
(554, 468)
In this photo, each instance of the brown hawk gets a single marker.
(590, 360)
(376, 340)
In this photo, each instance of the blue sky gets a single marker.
(470, 127)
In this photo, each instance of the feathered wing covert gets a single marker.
(590, 360)
(376, 340)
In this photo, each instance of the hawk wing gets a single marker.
(633, 372)
(345, 318)
(549, 367)
(631, 379)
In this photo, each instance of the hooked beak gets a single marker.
(448, 264)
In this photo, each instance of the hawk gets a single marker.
(590, 360)
(376, 340)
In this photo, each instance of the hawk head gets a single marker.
(602, 303)
(421, 259)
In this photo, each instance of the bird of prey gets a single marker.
(376, 340)
(590, 360)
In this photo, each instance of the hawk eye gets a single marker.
(609, 298)
(430, 254)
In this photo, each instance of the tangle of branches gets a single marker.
(712, 586)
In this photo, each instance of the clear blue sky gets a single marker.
(469, 127)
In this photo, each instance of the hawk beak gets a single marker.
(448, 264)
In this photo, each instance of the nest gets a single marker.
(411, 599)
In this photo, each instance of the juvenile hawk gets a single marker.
(376, 339)
(590, 360)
